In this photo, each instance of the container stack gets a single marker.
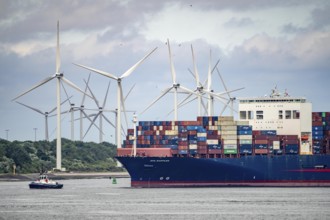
(321, 132)
(244, 136)
(213, 135)
(220, 136)
(228, 130)
(290, 144)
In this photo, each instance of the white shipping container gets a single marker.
(157, 132)
(213, 128)
(175, 128)
(224, 132)
(193, 146)
(230, 146)
(171, 132)
(227, 123)
(276, 145)
(228, 128)
(242, 122)
(226, 118)
(244, 137)
(230, 142)
(211, 141)
(229, 137)
(201, 134)
(139, 132)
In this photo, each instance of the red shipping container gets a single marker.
(192, 132)
(183, 147)
(215, 151)
(317, 123)
(290, 137)
(212, 136)
(202, 151)
(285, 142)
(261, 151)
(183, 143)
(202, 147)
(260, 141)
(261, 137)
(256, 132)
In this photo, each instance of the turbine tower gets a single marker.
(120, 99)
(59, 77)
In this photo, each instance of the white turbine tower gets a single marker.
(120, 99)
(59, 77)
(175, 87)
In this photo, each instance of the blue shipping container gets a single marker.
(268, 132)
(317, 133)
(214, 146)
(317, 128)
(261, 146)
(244, 132)
(244, 128)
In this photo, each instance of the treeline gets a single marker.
(40, 156)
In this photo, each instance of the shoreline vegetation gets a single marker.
(27, 159)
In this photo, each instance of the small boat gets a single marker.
(43, 182)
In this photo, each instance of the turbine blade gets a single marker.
(223, 83)
(36, 86)
(58, 58)
(195, 67)
(94, 98)
(83, 99)
(130, 70)
(187, 90)
(61, 104)
(91, 124)
(224, 108)
(65, 91)
(105, 118)
(74, 86)
(129, 92)
(98, 71)
(159, 97)
(34, 109)
(106, 96)
(209, 74)
(171, 62)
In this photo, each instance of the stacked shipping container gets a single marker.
(321, 132)
(223, 137)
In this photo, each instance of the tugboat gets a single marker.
(43, 182)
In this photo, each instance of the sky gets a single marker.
(260, 44)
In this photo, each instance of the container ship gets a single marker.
(277, 141)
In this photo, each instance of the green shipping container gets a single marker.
(323, 114)
(230, 151)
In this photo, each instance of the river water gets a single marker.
(100, 199)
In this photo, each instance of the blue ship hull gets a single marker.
(276, 171)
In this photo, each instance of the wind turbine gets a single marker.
(120, 99)
(99, 114)
(231, 98)
(175, 87)
(46, 114)
(59, 77)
